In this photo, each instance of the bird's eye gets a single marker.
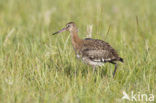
(68, 25)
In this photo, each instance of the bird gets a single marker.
(93, 52)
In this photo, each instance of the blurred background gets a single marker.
(38, 67)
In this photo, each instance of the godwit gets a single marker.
(93, 52)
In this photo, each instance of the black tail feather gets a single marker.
(121, 59)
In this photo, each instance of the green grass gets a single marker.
(36, 67)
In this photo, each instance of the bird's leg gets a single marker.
(94, 68)
(114, 69)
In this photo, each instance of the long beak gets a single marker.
(62, 30)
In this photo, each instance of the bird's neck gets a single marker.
(76, 41)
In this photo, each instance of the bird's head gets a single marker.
(69, 27)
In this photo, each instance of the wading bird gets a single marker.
(93, 52)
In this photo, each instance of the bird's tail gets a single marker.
(121, 59)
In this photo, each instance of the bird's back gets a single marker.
(98, 51)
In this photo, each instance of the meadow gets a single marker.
(36, 67)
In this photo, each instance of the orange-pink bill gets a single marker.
(62, 30)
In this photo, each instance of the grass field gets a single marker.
(36, 67)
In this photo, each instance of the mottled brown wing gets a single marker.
(98, 50)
